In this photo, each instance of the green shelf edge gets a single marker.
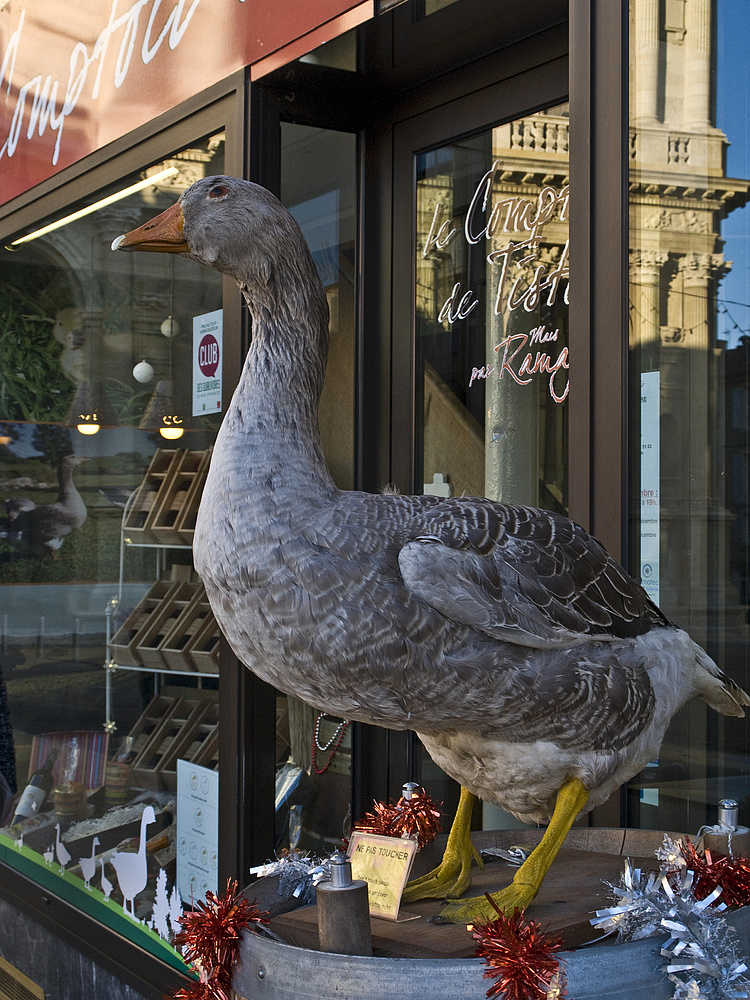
(91, 901)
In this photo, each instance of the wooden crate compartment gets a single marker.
(174, 647)
(174, 499)
(203, 648)
(159, 624)
(204, 743)
(155, 716)
(185, 524)
(176, 735)
(122, 647)
(148, 498)
(209, 755)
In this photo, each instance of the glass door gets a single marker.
(491, 313)
(487, 294)
(690, 379)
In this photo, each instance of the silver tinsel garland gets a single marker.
(299, 874)
(702, 954)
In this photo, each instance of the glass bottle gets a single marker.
(35, 793)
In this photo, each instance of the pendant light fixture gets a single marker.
(90, 409)
(161, 413)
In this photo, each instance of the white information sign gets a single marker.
(197, 831)
(207, 348)
(650, 484)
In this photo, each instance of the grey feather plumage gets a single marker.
(505, 636)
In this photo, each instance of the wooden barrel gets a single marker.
(417, 959)
(270, 970)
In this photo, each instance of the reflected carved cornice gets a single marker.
(687, 192)
(679, 220)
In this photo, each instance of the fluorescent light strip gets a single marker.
(153, 179)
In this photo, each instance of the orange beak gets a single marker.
(164, 234)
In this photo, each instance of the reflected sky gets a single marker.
(733, 118)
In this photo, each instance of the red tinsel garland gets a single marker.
(417, 817)
(711, 870)
(210, 940)
(519, 955)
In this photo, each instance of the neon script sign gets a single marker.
(522, 281)
(51, 101)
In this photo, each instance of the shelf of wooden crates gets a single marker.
(163, 509)
(170, 729)
(172, 629)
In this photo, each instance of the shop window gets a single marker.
(688, 332)
(491, 322)
(491, 313)
(109, 679)
(313, 750)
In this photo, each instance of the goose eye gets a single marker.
(218, 191)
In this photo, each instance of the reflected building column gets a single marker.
(692, 399)
(645, 291)
(697, 100)
(646, 96)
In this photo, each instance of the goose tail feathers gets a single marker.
(720, 691)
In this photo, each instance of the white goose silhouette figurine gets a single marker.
(63, 855)
(107, 886)
(88, 865)
(131, 869)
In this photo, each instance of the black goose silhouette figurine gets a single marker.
(534, 669)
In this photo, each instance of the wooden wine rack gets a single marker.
(165, 505)
(172, 628)
(170, 729)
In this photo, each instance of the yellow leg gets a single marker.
(453, 875)
(571, 799)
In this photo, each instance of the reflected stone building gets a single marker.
(679, 195)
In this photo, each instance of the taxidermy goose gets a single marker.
(40, 530)
(535, 671)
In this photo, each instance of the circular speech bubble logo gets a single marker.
(208, 355)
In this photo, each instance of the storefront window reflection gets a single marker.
(689, 314)
(108, 647)
(491, 316)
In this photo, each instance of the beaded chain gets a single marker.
(334, 742)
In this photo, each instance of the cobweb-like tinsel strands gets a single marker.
(417, 818)
(519, 955)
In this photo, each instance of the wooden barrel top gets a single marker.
(575, 886)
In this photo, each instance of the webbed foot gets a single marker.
(571, 798)
(452, 877)
(478, 909)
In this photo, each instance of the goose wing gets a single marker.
(527, 576)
